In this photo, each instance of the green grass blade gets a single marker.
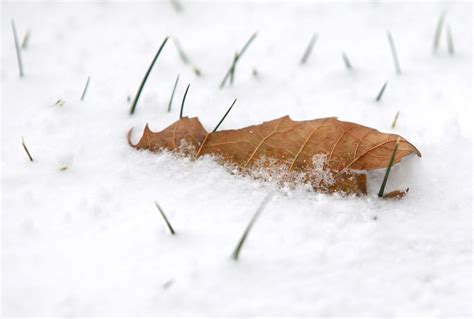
(449, 36)
(238, 248)
(389, 167)
(438, 31)
(346, 60)
(309, 49)
(394, 123)
(26, 149)
(382, 90)
(225, 115)
(85, 88)
(17, 47)
(237, 56)
(142, 84)
(396, 62)
(182, 102)
(165, 219)
(172, 93)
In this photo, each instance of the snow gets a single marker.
(88, 240)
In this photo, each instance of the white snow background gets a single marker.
(88, 241)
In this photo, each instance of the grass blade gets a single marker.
(26, 38)
(232, 71)
(394, 123)
(309, 48)
(347, 63)
(225, 115)
(172, 93)
(177, 5)
(166, 219)
(237, 57)
(26, 149)
(139, 92)
(450, 40)
(85, 88)
(438, 31)
(394, 53)
(387, 172)
(182, 102)
(379, 96)
(17, 47)
(184, 57)
(236, 252)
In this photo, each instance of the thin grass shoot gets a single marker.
(162, 213)
(309, 48)
(84, 91)
(142, 84)
(236, 253)
(389, 167)
(225, 115)
(172, 93)
(26, 149)
(17, 47)
(396, 62)
(382, 90)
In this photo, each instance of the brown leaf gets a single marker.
(396, 194)
(330, 154)
(183, 134)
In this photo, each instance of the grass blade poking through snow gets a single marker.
(438, 31)
(379, 96)
(347, 63)
(309, 48)
(172, 93)
(182, 102)
(26, 149)
(177, 5)
(142, 84)
(450, 40)
(396, 63)
(236, 252)
(17, 47)
(184, 57)
(26, 38)
(236, 59)
(166, 219)
(85, 88)
(225, 115)
(389, 167)
(394, 123)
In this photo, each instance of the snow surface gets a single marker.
(89, 241)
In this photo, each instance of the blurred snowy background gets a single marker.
(81, 235)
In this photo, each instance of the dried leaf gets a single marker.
(330, 154)
(396, 194)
